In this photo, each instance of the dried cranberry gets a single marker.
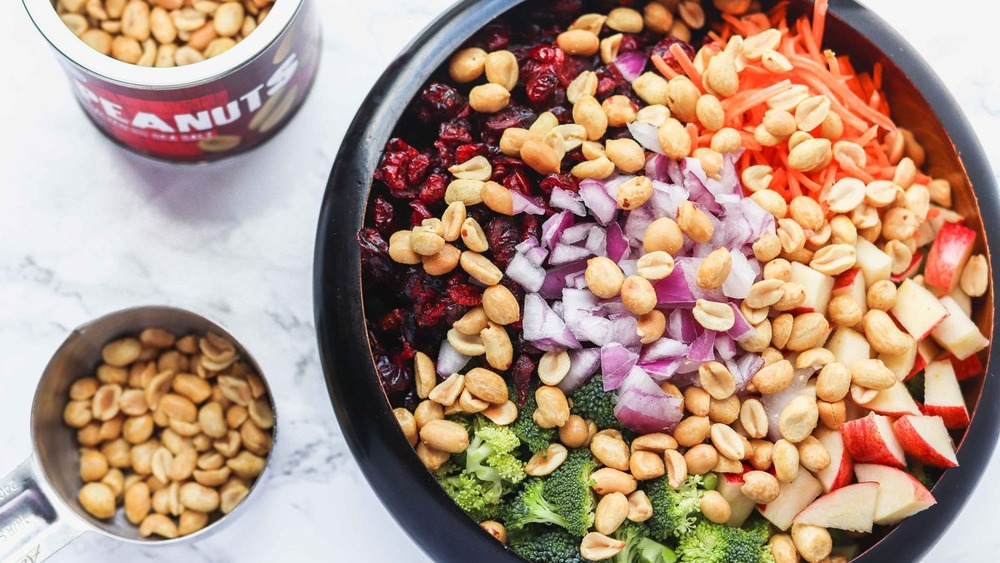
(497, 36)
(567, 9)
(418, 169)
(394, 169)
(512, 116)
(503, 235)
(385, 219)
(663, 49)
(393, 320)
(466, 152)
(547, 55)
(455, 132)
(629, 43)
(375, 258)
(563, 181)
(395, 378)
(541, 87)
(466, 294)
(531, 227)
(610, 82)
(524, 366)
(572, 68)
(434, 313)
(439, 102)
(562, 113)
(432, 191)
(420, 212)
(518, 182)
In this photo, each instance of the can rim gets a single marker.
(45, 18)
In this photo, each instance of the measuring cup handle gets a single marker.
(31, 529)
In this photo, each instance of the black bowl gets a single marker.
(920, 102)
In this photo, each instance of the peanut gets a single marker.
(760, 487)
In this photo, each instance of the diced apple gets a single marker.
(912, 269)
(792, 498)
(741, 507)
(901, 364)
(848, 345)
(850, 508)
(838, 473)
(942, 395)
(871, 440)
(818, 288)
(964, 301)
(899, 494)
(927, 439)
(894, 401)
(917, 310)
(852, 282)
(967, 368)
(948, 255)
(957, 333)
(928, 350)
(876, 265)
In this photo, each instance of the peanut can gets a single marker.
(222, 106)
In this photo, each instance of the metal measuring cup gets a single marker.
(39, 512)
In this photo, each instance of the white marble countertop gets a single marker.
(86, 228)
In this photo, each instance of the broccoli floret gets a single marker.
(675, 511)
(569, 488)
(590, 400)
(639, 548)
(719, 543)
(480, 499)
(479, 478)
(490, 456)
(531, 434)
(553, 545)
(531, 507)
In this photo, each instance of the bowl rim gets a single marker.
(398, 477)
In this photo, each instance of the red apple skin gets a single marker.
(967, 368)
(948, 255)
(916, 446)
(910, 270)
(955, 417)
(918, 366)
(865, 444)
(845, 472)
(920, 498)
(845, 279)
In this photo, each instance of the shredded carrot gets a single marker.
(682, 59)
(855, 96)
(819, 20)
(662, 66)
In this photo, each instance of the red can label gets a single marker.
(230, 115)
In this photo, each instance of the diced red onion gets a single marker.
(530, 276)
(744, 368)
(647, 135)
(741, 330)
(674, 290)
(553, 227)
(537, 255)
(645, 408)
(556, 279)
(543, 327)
(583, 363)
(570, 201)
(568, 253)
(664, 348)
(703, 347)
(450, 360)
(662, 370)
(631, 64)
(624, 330)
(667, 198)
(596, 242)
(601, 204)
(636, 223)
(527, 244)
(725, 346)
(681, 325)
(617, 245)
(741, 277)
(576, 233)
(523, 204)
(616, 362)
